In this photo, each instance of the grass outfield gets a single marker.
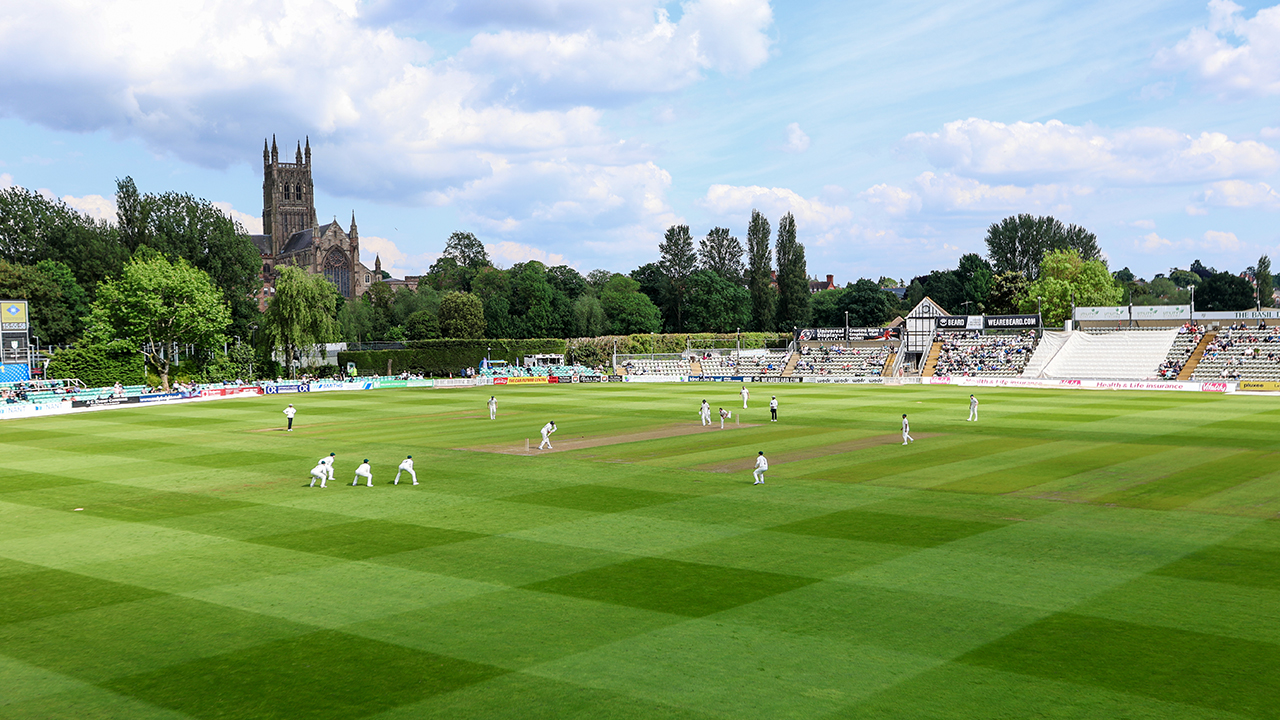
(1072, 555)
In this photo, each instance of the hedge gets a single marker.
(98, 365)
(441, 357)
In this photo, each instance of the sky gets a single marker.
(578, 131)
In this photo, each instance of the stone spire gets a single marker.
(298, 157)
(266, 152)
(377, 266)
(308, 150)
(275, 151)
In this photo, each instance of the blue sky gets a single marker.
(576, 131)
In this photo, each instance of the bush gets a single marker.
(99, 365)
(441, 357)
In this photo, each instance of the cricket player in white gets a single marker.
(406, 465)
(745, 394)
(723, 414)
(546, 435)
(973, 408)
(704, 412)
(773, 408)
(319, 472)
(761, 465)
(328, 463)
(363, 472)
(906, 431)
(493, 408)
(289, 412)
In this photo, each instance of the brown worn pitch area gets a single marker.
(582, 441)
(747, 464)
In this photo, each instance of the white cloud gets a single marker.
(252, 224)
(797, 140)
(507, 253)
(1241, 194)
(809, 213)
(1222, 241)
(1137, 156)
(6, 181)
(1231, 55)
(394, 260)
(1196, 210)
(97, 206)
(1152, 242)
(950, 193)
(632, 55)
(1144, 224)
(1270, 132)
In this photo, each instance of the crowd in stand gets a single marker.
(972, 353)
(839, 360)
(1184, 345)
(541, 371)
(1234, 353)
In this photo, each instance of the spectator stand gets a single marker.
(1241, 352)
(843, 359)
(973, 353)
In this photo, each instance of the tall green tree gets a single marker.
(534, 297)
(300, 314)
(627, 310)
(1007, 290)
(974, 274)
(1183, 278)
(34, 228)
(461, 316)
(826, 308)
(56, 302)
(1064, 274)
(764, 298)
(1020, 242)
(466, 250)
(868, 304)
(155, 305)
(793, 277)
(1224, 292)
(1262, 277)
(678, 262)
(721, 253)
(716, 304)
(588, 316)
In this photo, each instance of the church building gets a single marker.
(292, 236)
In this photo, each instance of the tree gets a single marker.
(627, 310)
(467, 251)
(1019, 243)
(422, 325)
(1007, 289)
(179, 225)
(1224, 292)
(716, 304)
(34, 228)
(446, 275)
(534, 295)
(793, 277)
(1062, 273)
(1183, 278)
(1204, 273)
(155, 305)
(461, 315)
(1124, 276)
(1262, 276)
(868, 304)
(944, 288)
(566, 280)
(588, 316)
(827, 310)
(721, 253)
(57, 304)
(300, 314)
(974, 274)
(598, 277)
(764, 297)
(356, 321)
(652, 281)
(678, 262)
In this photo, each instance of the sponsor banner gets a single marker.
(282, 388)
(855, 334)
(393, 383)
(540, 380)
(420, 382)
(717, 378)
(454, 382)
(776, 379)
(1258, 385)
(157, 397)
(655, 378)
(327, 385)
(1241, 315)
(615, 378)
(959, 322)
(1011, 322)
(821, 334)
(1110, 314)
(1161, 312)
(1048, 383)
(104, 401)
(554, 380)
(231, 391)
(15, 373)
(846, 380)
(13, 315)
(591, 379)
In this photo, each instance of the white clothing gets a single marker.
(290, 411)
(761, 466)
(773, 404)
(546, 436)
(973, 409)
(327, 461)
(363, 472)
(493, 409)
(744, 395)
(319, 472)
(406, 465)
(723, 414)
(906, 432)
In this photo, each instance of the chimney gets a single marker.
(831, 281)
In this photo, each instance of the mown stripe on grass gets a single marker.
(1226, 674)
(1231, 565)
(43, 593)
(1187, 486)
(911, 461)
(1031, 474)
(911, 530)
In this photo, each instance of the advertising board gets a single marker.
(846, 380)
(1011, 322)
(775, 379)
(106, 401)
(1258, 386)
(1103, 313)
(13, 315)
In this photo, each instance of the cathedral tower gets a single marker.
(288, 199)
